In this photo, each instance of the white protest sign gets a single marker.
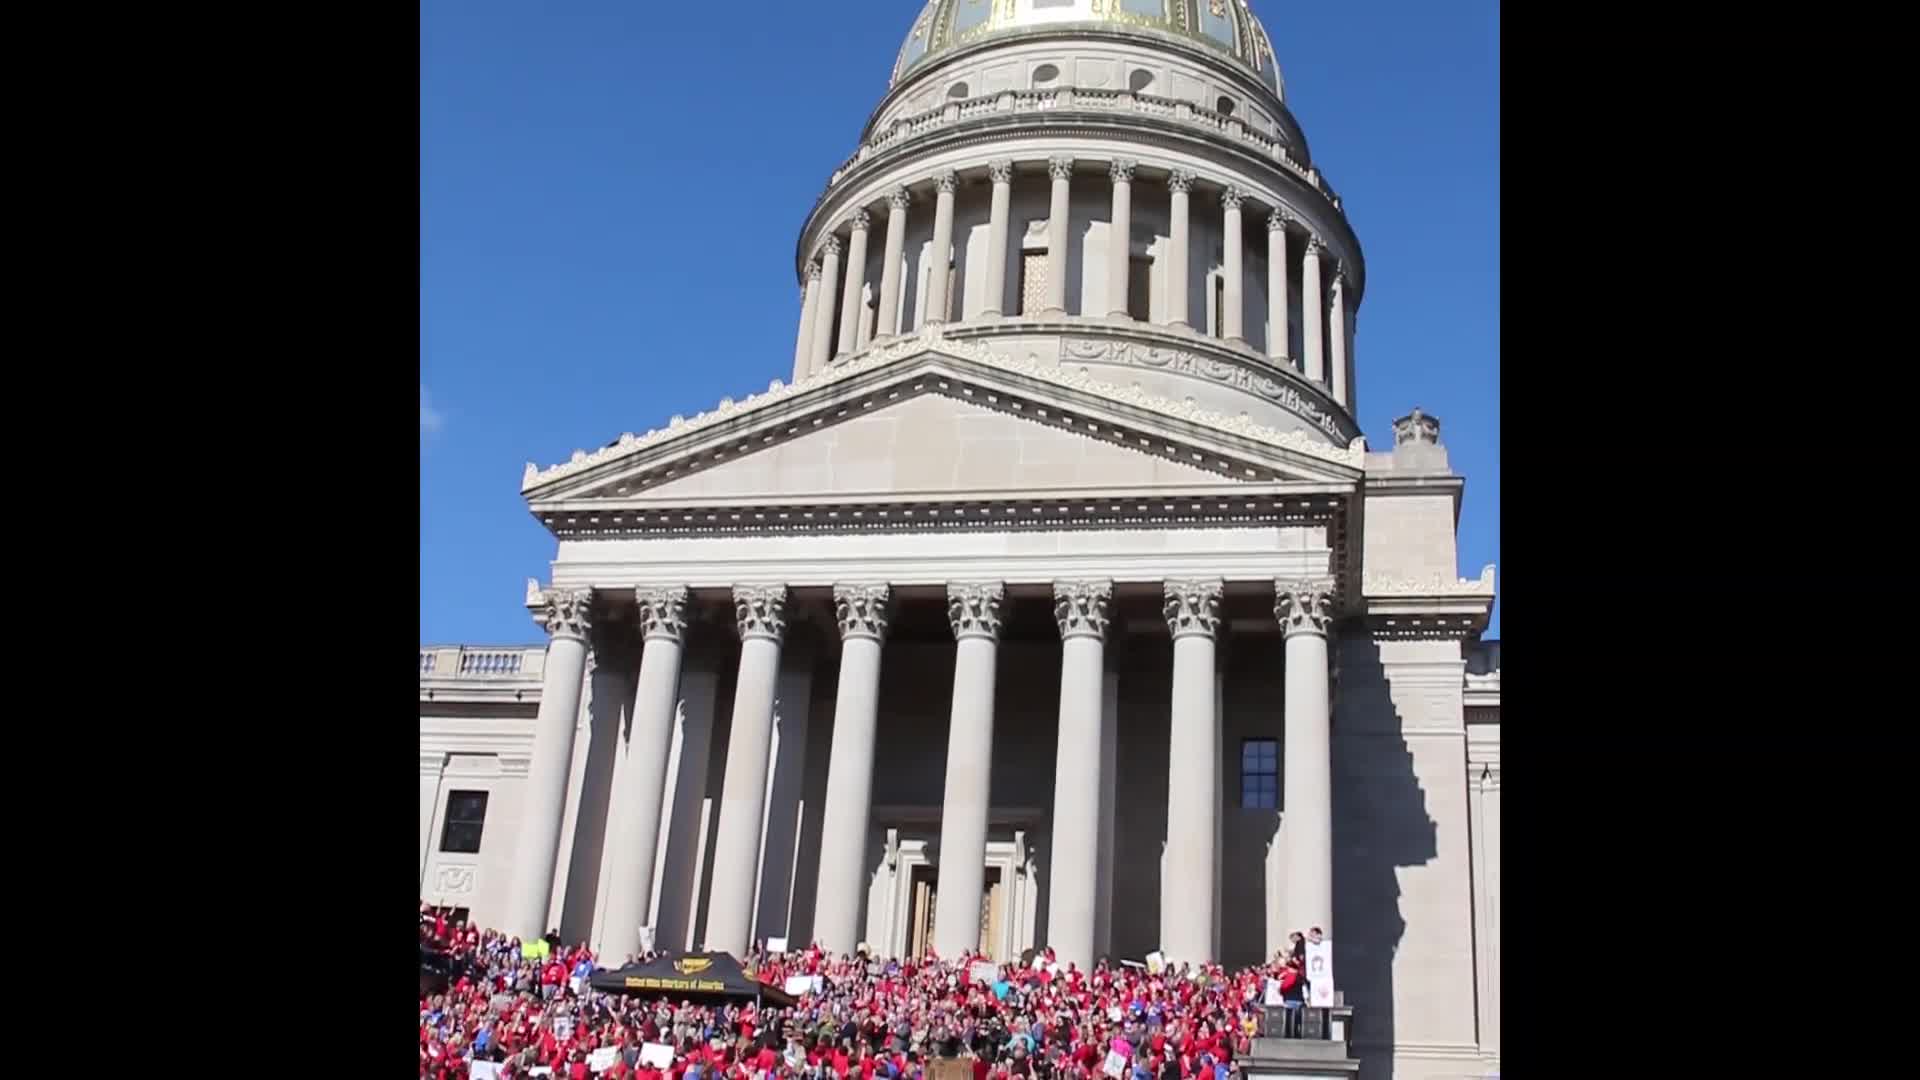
(1320, 974)
(983, 971)
(657, 1055)
(1116, 1065)
(646, 939)
(484, 1070)
(562, 1027)
(602, 1059)
(540, 1070)
(1272, 993)
(802, 984)
(776, 944)
(1156, 962)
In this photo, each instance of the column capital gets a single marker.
(831, 249)
(1232, 197)
(1000, 172)
(1180, 182)
(946, 180)
(862, 611)
(814, 270)
(760, 611)
(899, 198)
(1340, 279)
(1303, 607)
(1193, 606)
(1060, 168)
(1280, 219)
(1081, 608)
(1120, 170)
(973, 609)
(1315, 247)
(859, 220)
(663, 612)
(565, 613)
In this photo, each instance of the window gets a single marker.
(1259, 774)
(466, 813)
(1224, 106)
(1033, 282)
(957, 91)
(1045, 74)
(1219, 305)
(1140, 288)
(1140, 81)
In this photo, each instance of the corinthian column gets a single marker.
(941, 270)
(760, 611)
(636, 832)
(1001, 173)
(1232, 319)
(862, 613)
(1081, 610)
(567, 615)
(1277, 301)
(856, 283)
(809, 310)
(1061, 170)
(823, 311)
(1188, 917)
(1119, 240)
(1305, 611)
(1337, 334)
(974, 612)
(1313, 308)
(1180, 184)
(889, 313)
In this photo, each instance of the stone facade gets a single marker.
(1053, 598)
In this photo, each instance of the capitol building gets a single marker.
(1050, 595)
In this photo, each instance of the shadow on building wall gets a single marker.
(1380, 824)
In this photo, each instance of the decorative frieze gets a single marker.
(862, 610)
(1303, 607)
(973, 609)
(663, 613)
(1193, 606)
(760, 611)
(1081, 608)
(1239, 374)
(566, 613)
(1433, 585)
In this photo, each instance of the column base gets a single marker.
(1053, 313)
(989, 316)
(1120, 317)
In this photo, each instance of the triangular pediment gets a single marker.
(938, 423)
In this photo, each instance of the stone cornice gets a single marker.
(933, 340)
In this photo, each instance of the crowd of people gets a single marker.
(502, 1007)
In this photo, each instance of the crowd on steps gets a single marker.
(500, 1007)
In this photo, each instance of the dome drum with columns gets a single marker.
(1052, 597)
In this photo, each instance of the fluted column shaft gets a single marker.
(1337, 335)
(1277, 302)
(636, 831)
(1188, 917)
(974, 612)
(760, 613)
(1232, 318)
(862, 614)
(823, 311)
(1001, 173)
(1119, 239)
(1061, 171)
(1305, 613)
(1180, 184)
(1081, 611)
(941, 270)
(567, 615)
(809, 310)
(889, 313)
(1313, 308)
(856, 283)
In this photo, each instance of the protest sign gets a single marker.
(602, 1059)
(657, 1055)
(1116, 1065)
(983, 971)
(484, 1070)
(1320, 974)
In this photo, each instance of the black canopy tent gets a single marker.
(695, 975)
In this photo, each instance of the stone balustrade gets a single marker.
(1065, 98)
(470, 662)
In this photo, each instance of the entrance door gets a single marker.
(925, 897)
(993, 913)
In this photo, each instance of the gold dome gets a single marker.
(1226, 26)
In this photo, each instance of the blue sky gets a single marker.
(601, 181)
